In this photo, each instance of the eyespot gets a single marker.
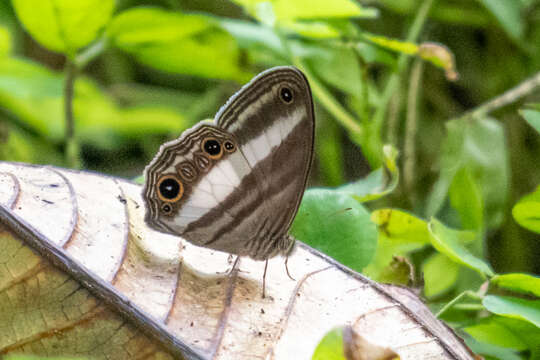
(187, 171)
(286, 94)
(212, 147)
(229, 146)
(170, 188)
(166, 208)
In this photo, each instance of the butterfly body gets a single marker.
(235, 184)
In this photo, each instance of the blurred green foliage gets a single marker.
(459, 206)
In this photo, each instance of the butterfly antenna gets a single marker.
(264, 278)
(287, 269)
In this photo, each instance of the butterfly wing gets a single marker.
(273, 122)
(243, 200)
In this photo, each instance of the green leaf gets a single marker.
(524, 331)
(330, 347)
(337, 225)
(512, 307)
(314, 9)
(309, 9)
(375, 187)
(449, 242)
(312, 29)
(440, 274)
(5, 41)
(508, 14)
(178, 43)
(524, 283)
(527, 211)
(399, 272)
(253, 36)
(494, 332)
(481, 146)
(100, 121)
(400, 226)
(19, 145)
(466, 198)
(403, 47)
(493, 351)
(34, 94)
(345, 74)
(64, 25)
(399, 233)
(532, 117)
(374, 54)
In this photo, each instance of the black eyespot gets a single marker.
(286, 94)
(229, 146)
(212, 147)
(166, 208)
(169, 189)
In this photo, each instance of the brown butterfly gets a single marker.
(235, 184)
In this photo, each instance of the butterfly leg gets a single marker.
(287, 269)
(264, 278)
(235, 264)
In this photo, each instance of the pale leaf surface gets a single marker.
(117, 289)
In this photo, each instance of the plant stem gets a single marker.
(328, 101)
(411, 127)
(71, 145)
(393, 82)
(469, 307)
(468, 293)
(392, 127)
(90, 53)
(523, 89)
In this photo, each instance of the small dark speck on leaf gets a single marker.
(262, 311)
(191, 324)
(54, 185)
(122, 199)
(47, 201)
(259, 333)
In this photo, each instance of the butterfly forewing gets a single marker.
(244, 200)
(272, 120)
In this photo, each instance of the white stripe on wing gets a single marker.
(260, 147)
(216, 185)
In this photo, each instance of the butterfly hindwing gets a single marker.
(240, 200)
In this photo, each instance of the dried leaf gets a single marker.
(357, 347)
(81, 274)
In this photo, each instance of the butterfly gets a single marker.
(234, 184)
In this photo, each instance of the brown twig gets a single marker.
(523, 89)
